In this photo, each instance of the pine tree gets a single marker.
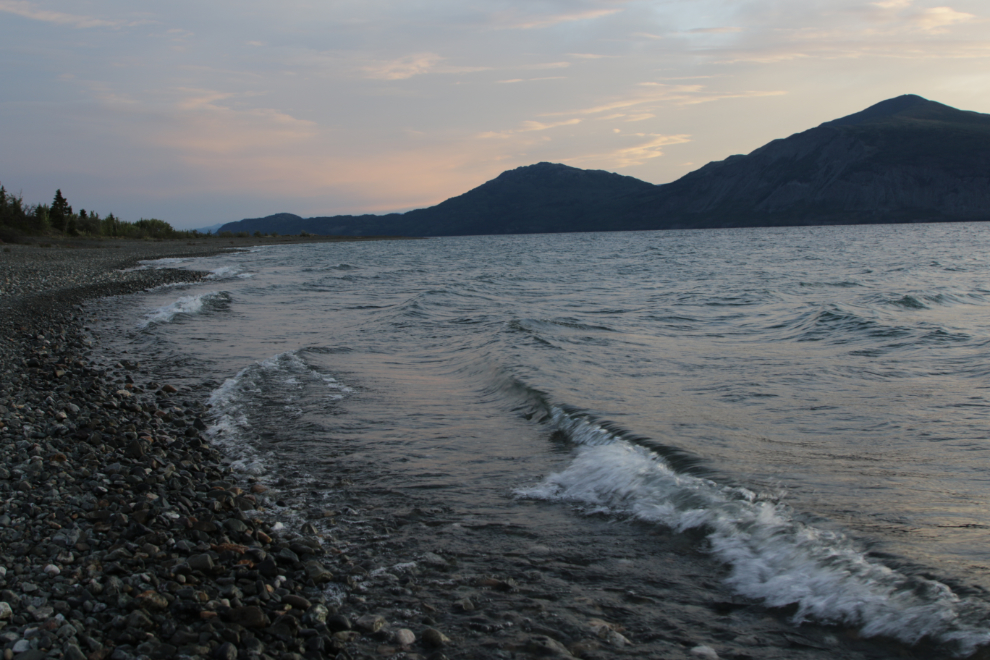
(60, 212)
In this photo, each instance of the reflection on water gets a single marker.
(836, 375)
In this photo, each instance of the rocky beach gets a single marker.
(122, 535)
(125, 534)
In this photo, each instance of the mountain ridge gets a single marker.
(906, 159)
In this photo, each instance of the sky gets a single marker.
(211, 111)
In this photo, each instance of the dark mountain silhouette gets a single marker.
(902, 160)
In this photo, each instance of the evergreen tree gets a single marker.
(60, 212)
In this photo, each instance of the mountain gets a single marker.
(212, 229)
(906, 159)
(902, 160)
(534, 199)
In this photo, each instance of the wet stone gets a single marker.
(338, 623)
(73, 652)
(370, 623)
(250, 616)
(226, 651)
(316, 572)
(404, 637)
(297, 602)
(435, 638)
(202, 562)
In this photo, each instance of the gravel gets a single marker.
(122, 534)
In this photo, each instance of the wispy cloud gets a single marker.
(655, 93)
(714, 30)
(511, 22)
(404, 67)
(545, 65)
(937, 19)
(633, 155)
(414, 65)
(29, 10)
(528, 126)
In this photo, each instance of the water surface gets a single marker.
(812, 401)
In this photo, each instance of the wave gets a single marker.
(269, 387)
(773, 556)
(837, 324)
(158, 264)
(187, 306)
(319, 269)
(227, 273)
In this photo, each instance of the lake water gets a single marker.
(809, 405)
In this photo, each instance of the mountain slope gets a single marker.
(545, 197)
(906, 159)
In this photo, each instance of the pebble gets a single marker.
(434, 638)
(370, 623)
(404, 637)
(121, 536)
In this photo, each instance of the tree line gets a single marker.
(58, 219)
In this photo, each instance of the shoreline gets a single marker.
(122, 533)
(173, 557)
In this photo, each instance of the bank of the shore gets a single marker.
(50, 266)
(123, 534)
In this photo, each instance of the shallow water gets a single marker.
(809, 404)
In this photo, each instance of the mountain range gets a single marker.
(906, 159)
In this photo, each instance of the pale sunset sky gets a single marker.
(211, 111)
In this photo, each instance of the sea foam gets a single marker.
(185, 306)
(772, 556)
(274, 382)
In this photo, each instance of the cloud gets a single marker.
(655, 94)
(937, 19)
(414, 65)
(714, 30)
(28, 10)
(634, 155)
(545, 65)
(404, 67)
(528, 126)
(546, 21)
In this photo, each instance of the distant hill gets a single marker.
(902, 160)
(534, 199)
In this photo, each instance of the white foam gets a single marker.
(228, 273)
(186, 305)
(276, 379)
(772, 556)
(158, 264)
